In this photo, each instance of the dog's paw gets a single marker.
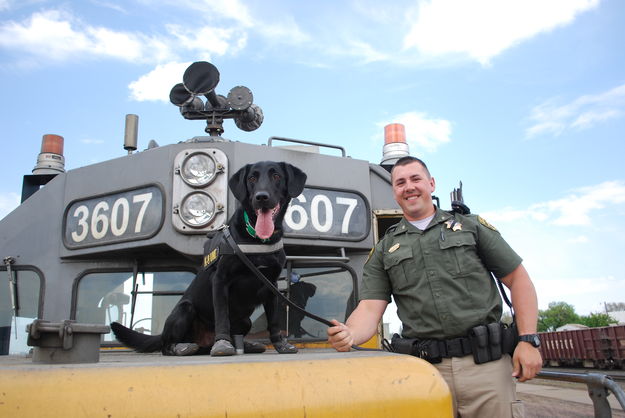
(251, 347)
(185, 349)
(222, 348)
(284, 347)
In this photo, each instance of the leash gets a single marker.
(237, 251)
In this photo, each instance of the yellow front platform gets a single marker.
(327, 384)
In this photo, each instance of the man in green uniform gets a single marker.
(437, 266)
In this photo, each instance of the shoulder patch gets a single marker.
(485, 223)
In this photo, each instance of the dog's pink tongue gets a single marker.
(264, 224)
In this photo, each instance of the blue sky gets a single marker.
(524, 101)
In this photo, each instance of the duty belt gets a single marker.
(486, 343)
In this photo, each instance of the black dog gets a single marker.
(220, 300)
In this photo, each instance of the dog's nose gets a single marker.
(261, 196)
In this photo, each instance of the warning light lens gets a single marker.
(197, 209)
(198, 169)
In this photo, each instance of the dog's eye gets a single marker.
(251, 179)
(276, 176)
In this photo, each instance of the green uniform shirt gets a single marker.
(440, 277)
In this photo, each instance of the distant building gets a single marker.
(571, 327)
(618, 316)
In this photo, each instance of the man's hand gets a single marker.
(526, 361)
(340, 336)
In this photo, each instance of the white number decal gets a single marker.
(320, 205)
(123, 203)
(314, 213)
(303, 216)
(145, 199)
(351, 205)
(118, 218)
(82, 223)
(99, 218)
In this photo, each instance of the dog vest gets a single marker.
(217, 245)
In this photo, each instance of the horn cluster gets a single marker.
(199, 80)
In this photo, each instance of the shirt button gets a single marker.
(427, 253)
(444, 316)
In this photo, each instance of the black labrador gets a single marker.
(221, 298)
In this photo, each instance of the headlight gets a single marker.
(197, 209)
(198, 169)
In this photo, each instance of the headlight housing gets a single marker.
(198, 169)
(197, 209)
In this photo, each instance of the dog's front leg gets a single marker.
(279, 342)
(223, 343)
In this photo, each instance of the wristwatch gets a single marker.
(530, 338)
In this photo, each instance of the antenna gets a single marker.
(130, 133)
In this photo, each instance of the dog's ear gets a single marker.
(296, 179)
(238, 185)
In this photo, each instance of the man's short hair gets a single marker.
(409, 159)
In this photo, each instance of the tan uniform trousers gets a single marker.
(481, 390)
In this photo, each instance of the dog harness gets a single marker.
(218, 245)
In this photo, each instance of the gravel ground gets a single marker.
(543, 407)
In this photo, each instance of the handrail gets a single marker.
(598, 385)
(299, 141)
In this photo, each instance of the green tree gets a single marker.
(597, 320)
(558, 314)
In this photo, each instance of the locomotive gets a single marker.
(120, 240)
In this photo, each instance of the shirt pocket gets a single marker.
(400, 267)
(460, 253)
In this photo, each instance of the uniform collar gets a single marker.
(404, 225)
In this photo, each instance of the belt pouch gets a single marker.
(494, 337)
(510, 338)
(479, 344)
(429, 350)
(403, 345)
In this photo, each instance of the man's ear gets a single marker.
(238, 185)
(296, 179)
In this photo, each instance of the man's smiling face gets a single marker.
(412, 189)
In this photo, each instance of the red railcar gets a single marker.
(592, 347)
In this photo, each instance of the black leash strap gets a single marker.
(235, 247)
(266, 281)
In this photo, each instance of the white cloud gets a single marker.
(8, 202)
(208, 41)
(157, 84)
(59, 36)
(482, 29)
(422, 131)
(228, 9)
(576, 209)
(582, 113)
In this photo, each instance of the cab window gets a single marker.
(14, 317)
(141, 302)
(327, 291)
